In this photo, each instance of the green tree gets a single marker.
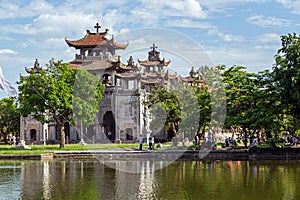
(48, 95)
(268, 109)
(286, 73)
(168, 101)
(204, 108)
(240, 94)
(253, 103)
(9, 118)
(87, 91)
(192, 108)
(211, 98)
(189, 106)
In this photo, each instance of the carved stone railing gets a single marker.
(100, 57)
(130, 92)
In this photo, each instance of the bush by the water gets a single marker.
(276, 140)
(194, 147)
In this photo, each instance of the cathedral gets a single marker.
(122, 116)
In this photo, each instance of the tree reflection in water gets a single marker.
(91, 179)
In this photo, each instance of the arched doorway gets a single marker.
(109, 126)
(32, 135)
(129, 134)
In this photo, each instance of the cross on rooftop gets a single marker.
(153, 47)
(97, 27)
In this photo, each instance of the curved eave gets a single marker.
(151, 63)
(125, 68)
(187, 79)
(91, 65)
(118, 65)
(118, 45)
(28, 70)
(79, 46)
(167, 63)
(81, 43)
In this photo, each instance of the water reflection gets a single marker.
(10, 180)
(91, 179)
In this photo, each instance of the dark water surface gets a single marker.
(91, 179)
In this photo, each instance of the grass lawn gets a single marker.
(41, 149)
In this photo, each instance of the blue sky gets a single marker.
(188, 32)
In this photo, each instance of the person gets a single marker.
(254, 143)
(159, 145)
(141, 143)
(209, 138)
(150, 142)
(14, 140)
(226, 142)
(295, 141)
(196, 138)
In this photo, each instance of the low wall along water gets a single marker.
(242, 155)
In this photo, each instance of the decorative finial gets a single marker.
(97, 27)
(37, 64)
(130, 62)
(192, 73)
(153, 47)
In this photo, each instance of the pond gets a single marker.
(91, 179)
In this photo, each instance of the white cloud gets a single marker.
(294, 5)
(267, 47)
(145, 17)
(52, 25)
(264, 22)
(190, 8)
(7, 38)
(10, 9)
(188, 23)
(151, 14)
(217, 4)
(268, 38)
(267, 41)
(254, 59)
(54, 42)
(7, 51)
(226, 37)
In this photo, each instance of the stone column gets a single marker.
(97, 132)
(22, 136)
(22, 144)
(81, 134)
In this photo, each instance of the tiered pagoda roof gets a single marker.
(92, 65)
(92, 40)
(97, 52)
(193, 76)
(154, 58)
(119, 67)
